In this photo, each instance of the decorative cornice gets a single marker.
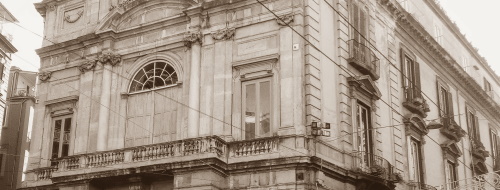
(192, 37)
(44, 76)
(423, 38)
(109, 57)
(224, 34)
(87, 66)
(285, 20)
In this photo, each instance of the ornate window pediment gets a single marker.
(364, 85)
(451, 150)
(415, 125)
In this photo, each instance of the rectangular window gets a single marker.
(415, 161)
(359, 22)
(487, 85)
(411, 78)
(257, 108)
(61, 137)
(2, 164)
(364, 129)
(451, 175)
(472, 125)
(439, 34)
(2, 68)
(494, 141)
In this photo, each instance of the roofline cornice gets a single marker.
(407, 22)
(456, 31)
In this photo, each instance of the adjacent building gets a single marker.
(16, 132)
(259, 94)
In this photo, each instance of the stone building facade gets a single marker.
(247, 94)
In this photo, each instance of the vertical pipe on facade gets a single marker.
(194, 91)
(102, 133)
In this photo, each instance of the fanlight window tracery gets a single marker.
(153, 75)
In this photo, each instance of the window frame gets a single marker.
(494, 144)
(257, 82)
(419, 159)
(370, 146)
(472, 123)
(138, 70)
(487, 85)
(411, 75)
(361, 31)
(63, 119)
(451, 174)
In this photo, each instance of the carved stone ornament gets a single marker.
(223, 34)
(87, 66)
(191, 38)
(285, 20)
(44, 76)
(75, 18)
(109, 57)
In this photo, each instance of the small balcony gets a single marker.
(451, 129)
(375, 170)
(363, 59)
(420, 186)
(414, 102)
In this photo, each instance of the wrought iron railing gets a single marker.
(373, 165)
(363, 59)
(480, 182)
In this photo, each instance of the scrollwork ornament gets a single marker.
(109, 57)
(44, 76)
(87, 66)
(284, 20)
(223, 34)
(73, 20)
(191, 38)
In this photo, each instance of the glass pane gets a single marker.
(250, 109)
(66, 137)
(154, 75)
(57, 138)
(265, 108)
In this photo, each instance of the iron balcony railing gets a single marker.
(364, 59)
(373, 165)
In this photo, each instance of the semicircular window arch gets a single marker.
(154, 75)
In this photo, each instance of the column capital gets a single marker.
(109, 57)
(223, 34)
(87, 66)
(192, 37)
(285, 20)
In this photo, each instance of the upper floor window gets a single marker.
(61, 137)
(359, 20)
(445, 100)
(438, 34)
(451, 175)
(364, 128)
(494, 141)
(487, 85)
(410, 70)
(152, 76)
(257, 108)
(415, 161)
(472, 124)
(406, 5)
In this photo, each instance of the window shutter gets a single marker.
(467, 120)
(2, 67)
(476, 128)
(362, 26)
(450, 105)
(355, 21)
(416, 81)
(441, 104)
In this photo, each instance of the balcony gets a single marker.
(420, 186)
(414, 102)
(363, 59)
(375, 171)
(494, 96)
(451, 129)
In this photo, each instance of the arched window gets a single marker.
(153, 75)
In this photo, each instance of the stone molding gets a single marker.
(109, 57)
(224, 34)
(73, 20)
(192, 37)
(285, 20)
(44, 76)
(87, 66)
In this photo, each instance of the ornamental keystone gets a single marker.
(44, 76)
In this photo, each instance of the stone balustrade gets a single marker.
(213, 145)
(44, 173)
(254, 147)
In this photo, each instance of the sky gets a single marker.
(477, 19)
